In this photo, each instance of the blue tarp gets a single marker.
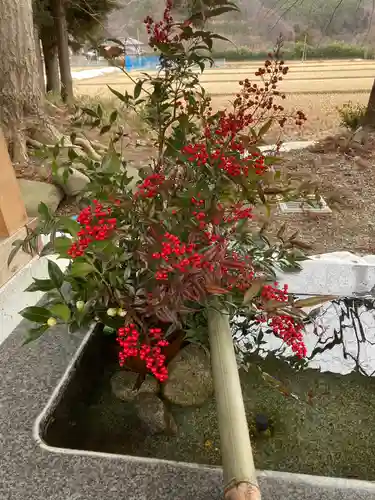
(141, 62)
(152, 62)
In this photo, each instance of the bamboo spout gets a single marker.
(238, 463)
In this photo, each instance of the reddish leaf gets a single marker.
(215, 290)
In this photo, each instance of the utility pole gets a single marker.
(304, 52)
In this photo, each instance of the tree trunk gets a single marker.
(20, 92)
(58, 10)
(369, 118)
(38, 53)
(51, 64)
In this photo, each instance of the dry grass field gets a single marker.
(316, 87)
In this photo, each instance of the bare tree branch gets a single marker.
(338, 5)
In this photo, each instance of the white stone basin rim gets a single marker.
(336, 273)
(13, 297)
(294, 485)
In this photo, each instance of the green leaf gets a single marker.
(73, 327)
(201, 65)
(61, 311)
(314, 301)
(44, 211)
(90, 112)
(36, 314)
(72, 154)
(55, 273)
(219, 37)
(112, 322)
(107, 330)
(138, 89)
(35, 333)
(69, 225)
(56, 150)
(40, 285)
(111, 162)
(127, 273)
(209, 43)
(265, 128)
(62, 245)
(48, 249)
(17, 245)
(54, 167)
(281, 231)
(122, 97)
(254, 289)
(95, 123)
(113, 116)
(81, 269)
(105, 129)
(273, 160)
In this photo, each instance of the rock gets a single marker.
(35, 192)
(190, 380)
(75, 183)
(361, 136)
(171, 426)
(358, 147)
(362, 163)
(153, 414)
(123, 382)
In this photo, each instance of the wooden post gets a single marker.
(12, 209)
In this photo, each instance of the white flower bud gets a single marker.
(80, 305)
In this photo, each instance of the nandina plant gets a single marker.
(148, 261)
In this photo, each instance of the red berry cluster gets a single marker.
(234, 162)
(199, 215)
(177, 256)
(230, 124)
(252, 106)
(238, 272)
(96, 226)
(150, 186)
(222, 216)
(237, 213)
(129, 339)
(160, 32)
(284, 326)
(258, 162)
(290, 332)
(197, 153)
(197, 201)
(270, 292)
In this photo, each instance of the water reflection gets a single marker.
(340, 338)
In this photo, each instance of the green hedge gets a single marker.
(336, 50)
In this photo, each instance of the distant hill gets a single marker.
(261, 21)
